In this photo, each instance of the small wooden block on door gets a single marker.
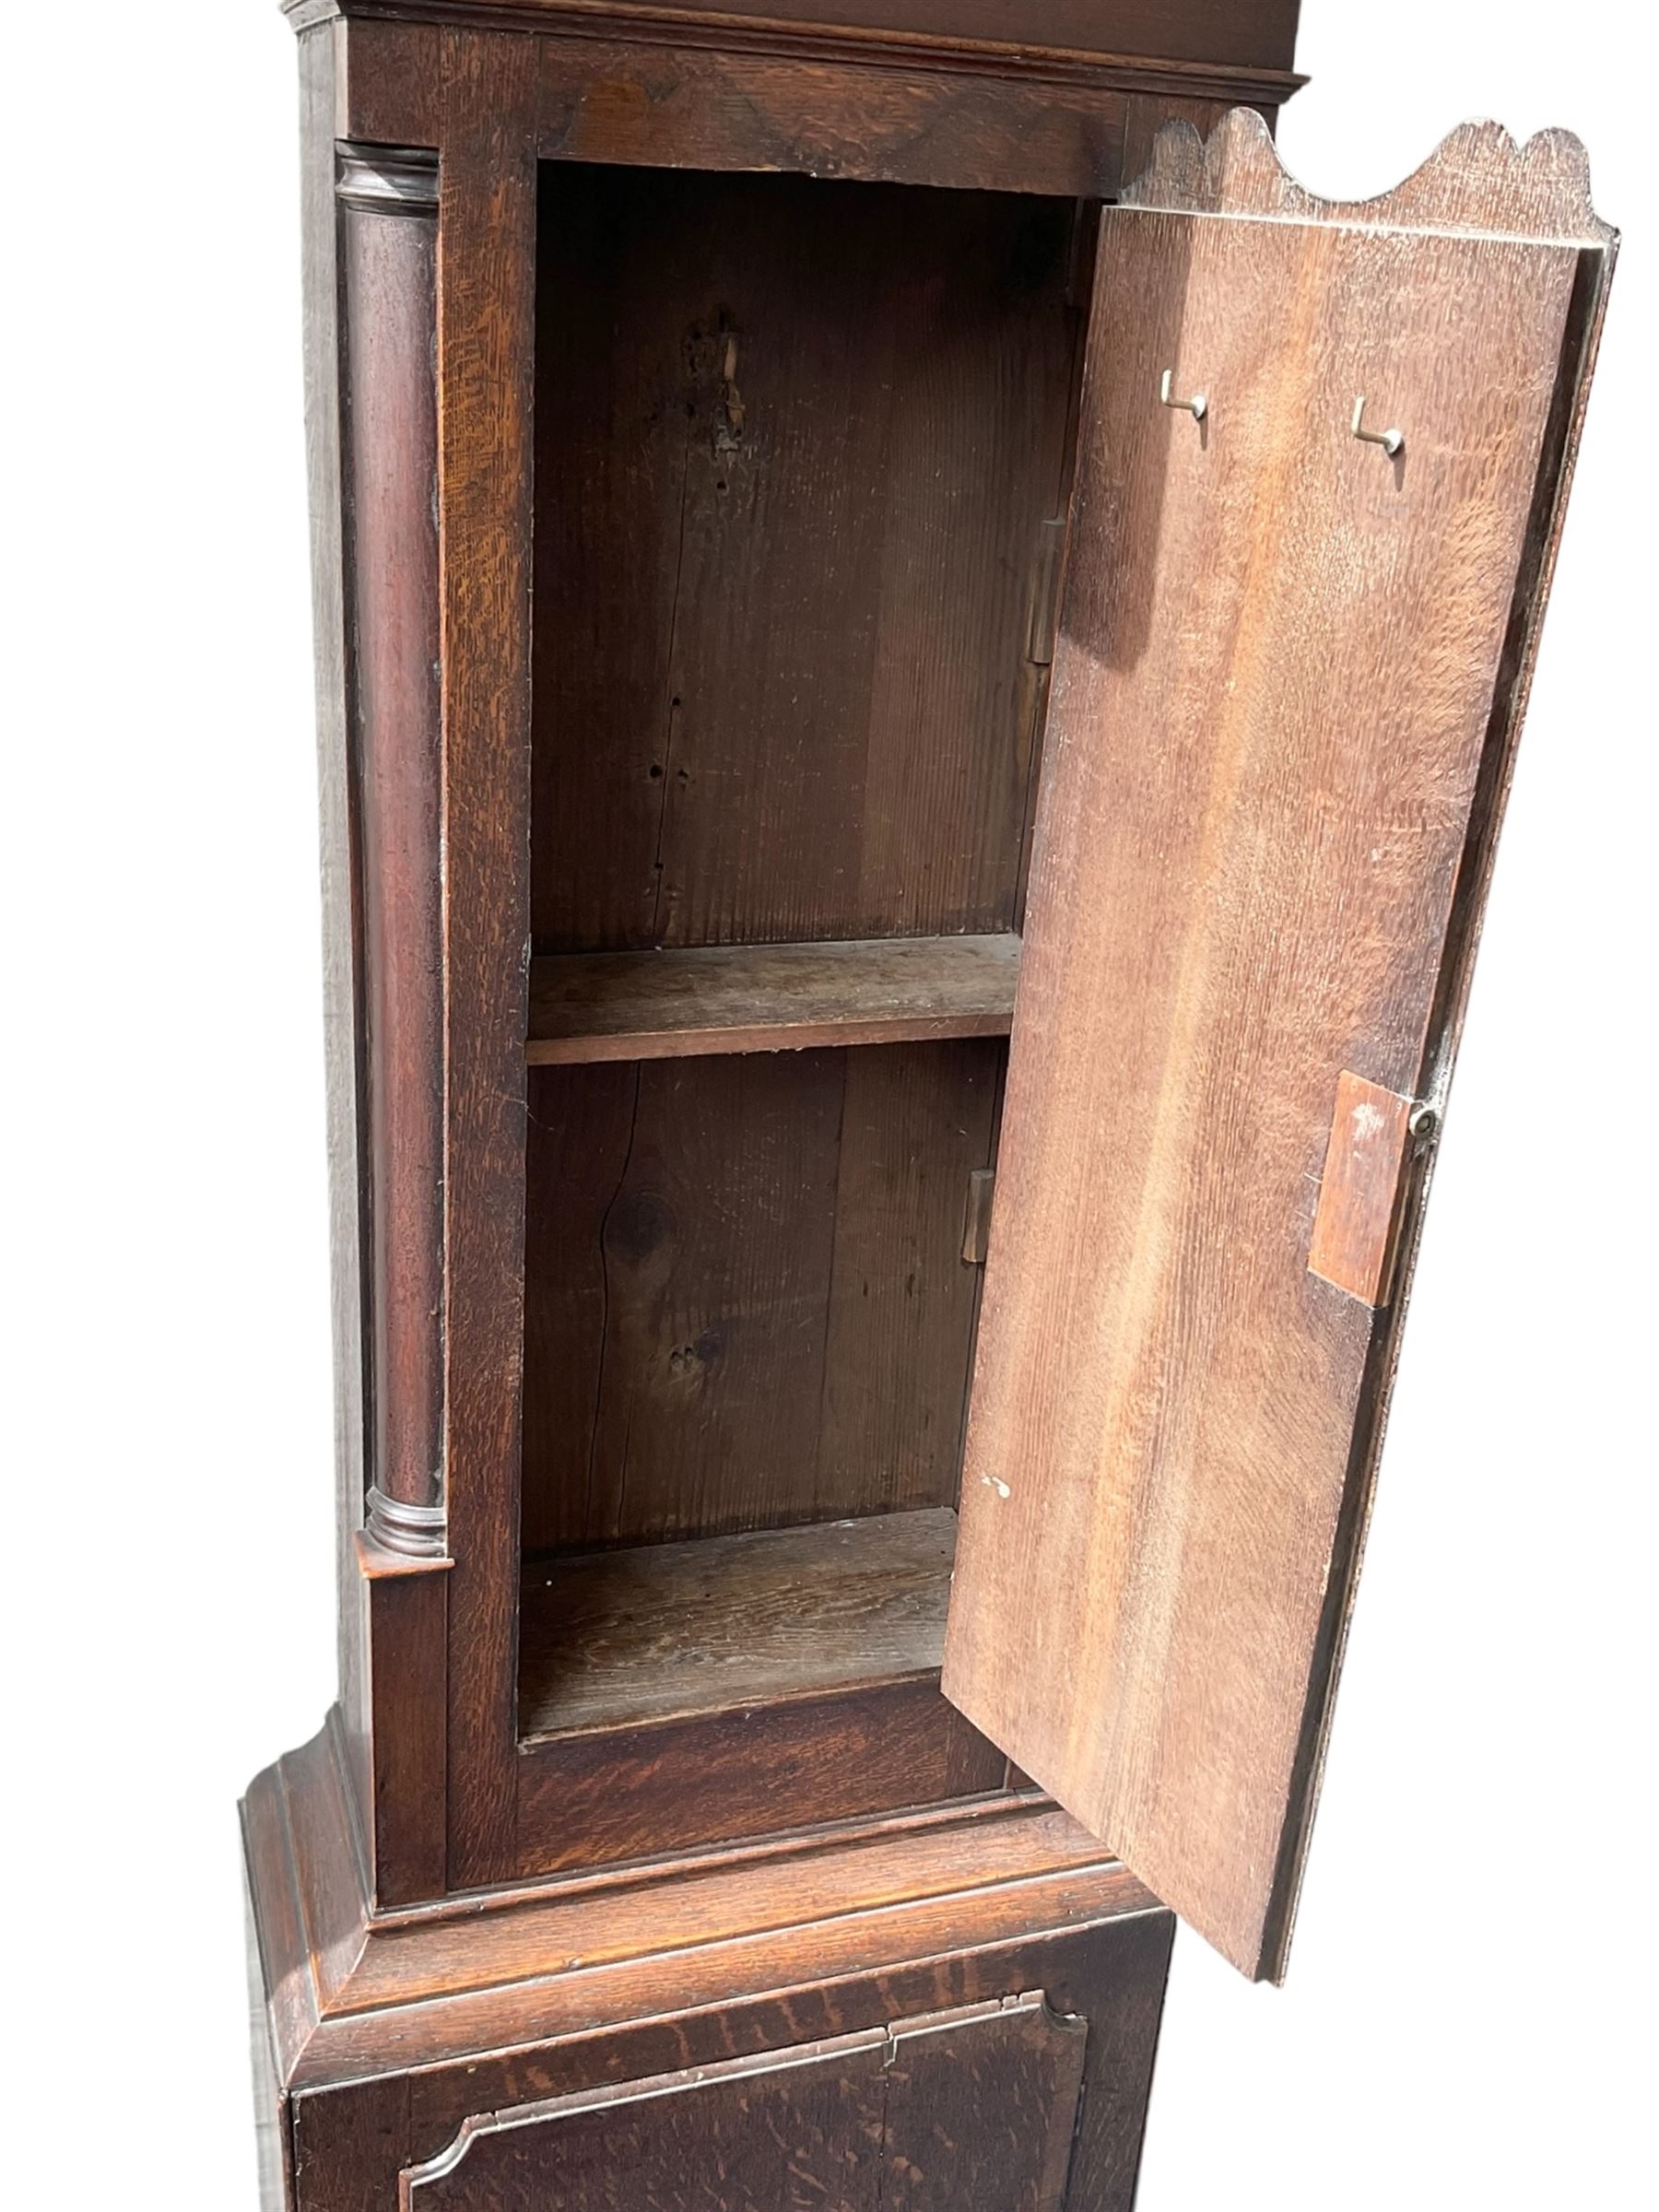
(1359, 1192)
(976, 1223)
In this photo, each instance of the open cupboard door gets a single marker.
(1296, 635)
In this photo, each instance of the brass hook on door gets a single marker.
(1197, 406)
(1393, 441)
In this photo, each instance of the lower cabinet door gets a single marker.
(969, 2110)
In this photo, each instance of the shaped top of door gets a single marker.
(1478, 180)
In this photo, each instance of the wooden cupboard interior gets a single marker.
(802, 450)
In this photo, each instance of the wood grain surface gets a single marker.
(486, 353)
(349, 1235)
(612, 1796)
(390, 2034)
(745, 1300)
(688, 108)
(799, 449)
(660, 1630)
(787, 2131)
(1240, 33)
(1201, 44)
(620, 1916)
(352, 2136)
(1289, 679)
(972, 2106)
(725, 95)
(1360, 1189)
(388, 246)
(333, 1964)
(767, 998)
(666, 1909)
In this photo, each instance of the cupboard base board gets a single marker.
(818, 1989)
(664, 1632)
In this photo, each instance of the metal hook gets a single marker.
(1197, 406)
(1391, 441)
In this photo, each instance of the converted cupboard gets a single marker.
(919, 656)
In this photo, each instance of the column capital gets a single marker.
(387, 180)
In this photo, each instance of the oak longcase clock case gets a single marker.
(919, 654)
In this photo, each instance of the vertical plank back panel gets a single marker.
(746, 1299)
(797, 446)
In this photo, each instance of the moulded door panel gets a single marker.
(973, 2107)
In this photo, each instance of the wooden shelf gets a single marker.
(661, 1631)
(768, 998)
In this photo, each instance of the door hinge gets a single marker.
(976, 1221)
(1045, 591)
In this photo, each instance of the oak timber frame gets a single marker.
(468, 1935)
(411, 1796)
(449, 222)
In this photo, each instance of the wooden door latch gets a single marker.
(1377, 1139)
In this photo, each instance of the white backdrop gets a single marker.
(1467, 2018)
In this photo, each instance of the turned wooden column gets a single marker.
(388, 242)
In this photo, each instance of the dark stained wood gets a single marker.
(746, 1303)
(1353, 1239)
(391, 89)
(762, 1919)
(1259, 34)
(1173, 1422)
(338, 1976)
(1146, 114)
(972, 2106)
(766, 998)
(609, 1796)
(389, 242)
(699, 1308)
(614, 318)
(1108, 1972)
(917, 1124)
(626, 1976)
(663, 1631)
(981, 2106)
(834, 417)
(1115, 1969)
(749, 96)
(326, 1870)
(618, 1916)
(1228, 42)
(287, 2009)
(581, 1138)
(598, 1952)
(1122, 2043)
(904, 364)
(270, 2098)
(486, 288)
(341, 882)
(781, 2132)
(691, 109)
(849, 410)
(408, 1626)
